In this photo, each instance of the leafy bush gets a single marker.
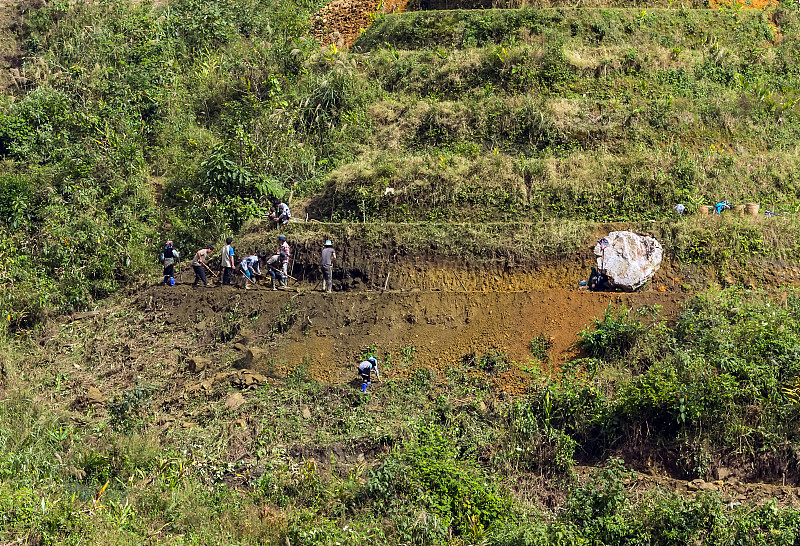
(613, 335)
(540, 347)
(533, 444)
(596, 506)
(427, 475)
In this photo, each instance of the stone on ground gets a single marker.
(94, 396)
(234, 401)
(630, 260)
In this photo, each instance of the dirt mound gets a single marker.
(341, 21)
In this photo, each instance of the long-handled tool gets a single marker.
(281, 272)
(209, 270)
(249, 280)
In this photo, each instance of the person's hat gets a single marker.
(210, 247)
(169, 243)
(276, 201)
(328, 243)
(373, 360)
(281, 237)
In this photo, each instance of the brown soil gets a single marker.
(196, 343)
(341, 21)
(729, 488)
(330, 332)
(10, 52)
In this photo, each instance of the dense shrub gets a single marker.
(428, 475)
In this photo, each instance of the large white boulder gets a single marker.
(629, 260)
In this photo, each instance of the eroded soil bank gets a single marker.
(329, 332)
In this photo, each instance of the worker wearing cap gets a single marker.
(365, 369)
(326, 264)
(280, 213)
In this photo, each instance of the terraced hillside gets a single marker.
(464, 162)
(598, 114)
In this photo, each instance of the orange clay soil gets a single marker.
(330, 332)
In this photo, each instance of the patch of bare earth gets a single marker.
(341, 21)
(10, 51)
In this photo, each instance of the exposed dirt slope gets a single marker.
(10, 53)
(341, 21)
(196, 345)
(330, 332)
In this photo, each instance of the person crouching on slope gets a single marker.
(251, 266)
(365, 369)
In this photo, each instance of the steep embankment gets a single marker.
(492, 140)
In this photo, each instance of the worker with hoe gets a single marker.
(228, 261)
(199, 265)
(365, 369)
(251, 268)
(326, 264)
(168, 257)
(279, 212)
(275, 271)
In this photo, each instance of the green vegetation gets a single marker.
(720, 381)
(492, 136)
(138, 122)
(598, 114)
(441, 461)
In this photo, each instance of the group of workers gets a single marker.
(249, 267)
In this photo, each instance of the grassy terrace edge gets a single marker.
(722, 241)
(471, 28)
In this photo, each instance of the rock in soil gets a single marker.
(234, 401)
(197, 364)
(94, 396)
(629, 260)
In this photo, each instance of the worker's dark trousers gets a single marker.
(276, 274)
(199, 275)
(169, 272)
(327, 276)
(226, 275)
